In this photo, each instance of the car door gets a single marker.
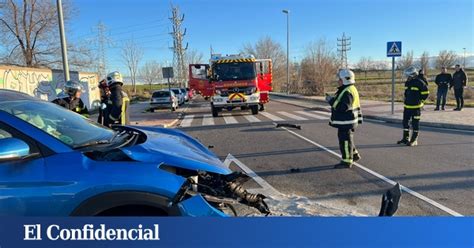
(264, 74)
(199, 81)
(21, 179)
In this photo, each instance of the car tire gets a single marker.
(215, 111)
(254, 109)
(152, 110)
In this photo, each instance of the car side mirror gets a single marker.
(13, 148)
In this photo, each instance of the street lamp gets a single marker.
(63, 40)
(287, 12)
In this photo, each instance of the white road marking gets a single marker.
(230, 120)
(207, 120)
(186, 122)
(389, 181)
(292, 116)
(271, 117)
(266, 186)
(312, 115)
(252, 118)
(322, 112)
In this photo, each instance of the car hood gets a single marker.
(174, 148)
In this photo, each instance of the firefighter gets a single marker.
(73, 101)
(116, 111)
(104, 98)
(346, 115)
(416, 93)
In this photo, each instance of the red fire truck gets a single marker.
(233, 81)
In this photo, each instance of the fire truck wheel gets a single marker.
(215, 111)
(254, 109)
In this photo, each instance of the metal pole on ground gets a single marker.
(287, 12)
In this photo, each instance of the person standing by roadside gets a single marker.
(458, 83)
(443, 80)
(421, 75)
(104, 98)
(346, 116)
(415, 95)
(73, 101)
(117, 104)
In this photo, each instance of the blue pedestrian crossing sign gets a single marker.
(394, 49)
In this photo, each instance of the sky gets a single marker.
(422, 25)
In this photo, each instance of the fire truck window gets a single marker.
(199, 73)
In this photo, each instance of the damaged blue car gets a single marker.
(54, 162)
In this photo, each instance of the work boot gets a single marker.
(262, 108)
(413, 140)
(356, 157)
(442, 108)
(404, 140)
(436, 109)
(343, 165)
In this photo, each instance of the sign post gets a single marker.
(394, 49)
(168, 73)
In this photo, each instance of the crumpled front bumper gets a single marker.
(197, 206)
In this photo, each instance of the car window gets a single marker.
(68, 127)
(161, 94)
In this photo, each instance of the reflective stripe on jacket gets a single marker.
(345, 108)
(416, 93)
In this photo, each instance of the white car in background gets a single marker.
(164, 99)
(180, 95)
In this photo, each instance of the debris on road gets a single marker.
(288, 125)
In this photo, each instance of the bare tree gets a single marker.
(319, 66)
(193, 57)
(446, 59)
(424, 62)
(267, 48)
(405, 61)
(29, 33)
(131, 55)
(365, 64)
(151, 72)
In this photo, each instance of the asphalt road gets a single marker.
(298, 164)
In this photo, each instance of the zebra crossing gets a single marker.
(228, 118)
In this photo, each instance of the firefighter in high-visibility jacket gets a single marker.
(346, 115)
(116, 111)
(416, 93)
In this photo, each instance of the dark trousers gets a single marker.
(458, 93)
(412, 115)
(346, 144)
(441, 96)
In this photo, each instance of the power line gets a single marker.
(344, 45)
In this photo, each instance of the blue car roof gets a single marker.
(12, 95)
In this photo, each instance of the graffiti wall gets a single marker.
(47, 84)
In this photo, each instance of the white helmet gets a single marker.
(72, 87)
(347, 76)
(410, 72)
(114, 77)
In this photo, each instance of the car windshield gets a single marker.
(161, 94)
(68, 127)
(234, 71)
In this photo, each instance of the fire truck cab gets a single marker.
(233, 81)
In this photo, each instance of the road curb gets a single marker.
(374, 117)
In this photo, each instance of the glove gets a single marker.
(329, 98)
(103, 106)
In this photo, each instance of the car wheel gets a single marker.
(152, 110)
